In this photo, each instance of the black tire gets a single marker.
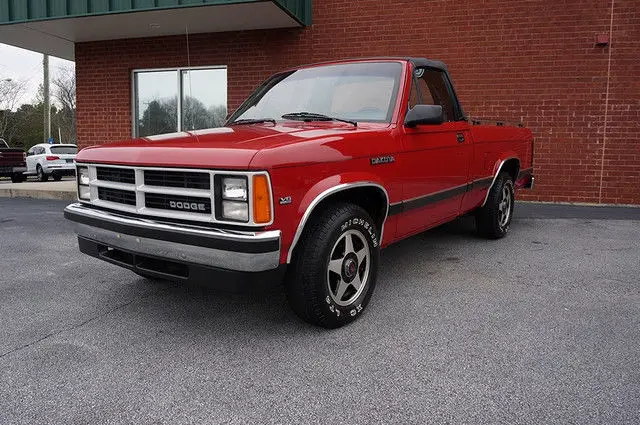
(318, 294)
(56, 176)
(17, 178)
(492, 221)
(42, 176)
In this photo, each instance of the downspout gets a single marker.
(606, 104)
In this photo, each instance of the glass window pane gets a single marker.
(64, 150)
(204, 98)
(156, 102)
(360, 92)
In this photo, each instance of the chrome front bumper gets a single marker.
(198, 245)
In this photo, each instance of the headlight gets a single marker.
(83, 183)
(233, 198)
(236, 211)
(83, 192)
(83, 176)
(234, 188)
(242, 200)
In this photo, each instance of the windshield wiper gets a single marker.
(253, 121)
(312, 116)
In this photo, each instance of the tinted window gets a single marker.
(64, 150)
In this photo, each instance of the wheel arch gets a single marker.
(510, 164)
(369, 194)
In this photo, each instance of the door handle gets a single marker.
(460, 137)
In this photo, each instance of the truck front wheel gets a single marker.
(335, 266)
(493, 220)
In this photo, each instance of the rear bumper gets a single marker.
(8, 171)
(525, 179)
(59, 168)
(529, 185)
(174, 251)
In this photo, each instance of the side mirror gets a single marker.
(424, 114)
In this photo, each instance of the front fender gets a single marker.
(327, 187)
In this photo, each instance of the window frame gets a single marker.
(179, 86)
(457, 108)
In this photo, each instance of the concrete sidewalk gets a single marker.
(64, 189)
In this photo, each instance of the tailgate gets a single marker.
(11, 157)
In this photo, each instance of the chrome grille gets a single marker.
(187, 180)
(118, 175)
(116, 195)
(149, 191)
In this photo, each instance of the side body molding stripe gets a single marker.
(421, 201)
(321, 196)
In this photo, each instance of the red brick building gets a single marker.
(570, 70)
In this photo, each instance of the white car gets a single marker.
(46, 160)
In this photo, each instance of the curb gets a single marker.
(38, 194)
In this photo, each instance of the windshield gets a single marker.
(355, 91)
(64, 150)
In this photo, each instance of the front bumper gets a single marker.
(173, 251)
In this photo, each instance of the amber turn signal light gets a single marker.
(261, 200)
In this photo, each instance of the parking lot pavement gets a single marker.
(540, 327)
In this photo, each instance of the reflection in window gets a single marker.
(156, 102)
(204, 98)
(167, 101)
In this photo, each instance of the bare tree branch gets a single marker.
(64, 92)
(11, 93)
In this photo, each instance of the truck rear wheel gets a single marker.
(17, 178)
(493, 220)
(335, 266)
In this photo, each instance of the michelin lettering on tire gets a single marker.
(364, 223)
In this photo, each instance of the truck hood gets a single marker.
(224, 147)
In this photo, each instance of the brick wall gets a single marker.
(530, 60)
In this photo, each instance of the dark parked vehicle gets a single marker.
(13, 162)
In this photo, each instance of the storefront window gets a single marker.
(179, 99)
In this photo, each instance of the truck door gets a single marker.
(437, 156)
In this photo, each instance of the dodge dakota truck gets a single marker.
(320, 168)
(12, 162)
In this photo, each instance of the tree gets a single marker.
(11, 92)
(160, 117)
(64, 93)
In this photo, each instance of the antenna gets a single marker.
(186, 30)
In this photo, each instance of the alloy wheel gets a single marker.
(348, 268)
(504, 207)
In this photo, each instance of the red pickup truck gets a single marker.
(320, 168)
(13, 162)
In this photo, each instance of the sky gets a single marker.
(25, 65)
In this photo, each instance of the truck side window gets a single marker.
(433, 90)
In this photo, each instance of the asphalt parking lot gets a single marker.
(540, 327)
